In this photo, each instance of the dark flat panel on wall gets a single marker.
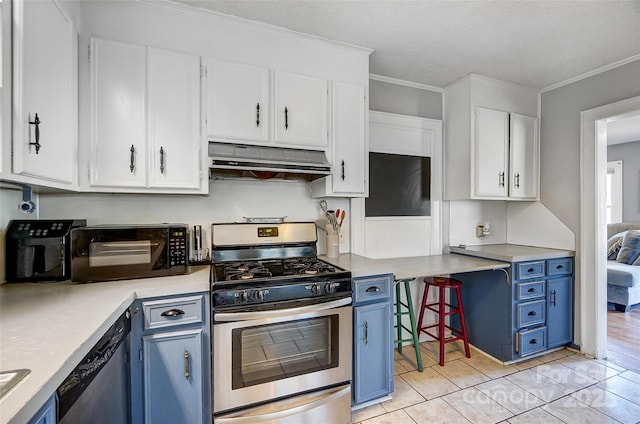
(399, 185)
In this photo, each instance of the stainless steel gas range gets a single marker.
(281, 327)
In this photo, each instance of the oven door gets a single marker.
(265, 355)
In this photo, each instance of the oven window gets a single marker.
(277, 351)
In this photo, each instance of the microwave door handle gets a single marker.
(273, 416)
(248, 316)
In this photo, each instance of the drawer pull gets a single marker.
(366, 332)
(533, 341)
(532, 314)
(373, 289)
(530, 270)
(532, 290)
(172, 313)
(187, 366)
(560, 267)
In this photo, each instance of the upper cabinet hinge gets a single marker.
(203, 71)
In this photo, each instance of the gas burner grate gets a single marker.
(306, 266)
(245, 271)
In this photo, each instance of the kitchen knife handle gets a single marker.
(36, 122)
(258, 115)
(132, 159)
(366, 332)
(187, 366)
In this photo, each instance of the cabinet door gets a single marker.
(373, 358)
(349, 150)
(491, 153)
(174, 117)
(559, 311)
(523, 152)
(46, 414)
(237, 102)
(173, 377)
(300, 113)
(45, 90)
(118, 108)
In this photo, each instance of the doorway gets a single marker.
(591, 269)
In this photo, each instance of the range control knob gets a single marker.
(258, 294)
(330, 287)
(243, 296)
(315, 288)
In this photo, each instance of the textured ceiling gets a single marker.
(536, 43)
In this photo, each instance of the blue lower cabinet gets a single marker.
(46, 414)
(372, 338)
(560, 311)
(171, 366)
(173, 380)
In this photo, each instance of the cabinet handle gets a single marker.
(172, 313)
(533, 341)
(342, 164)
(36, 122)
(258, 115)
(530, 270)
(187, 367)
(501, 179)
(366, 332)
(532, 314)
(286, 118)
(517, 182)
(553, 298)
(560, 267)
(132, 167)
(517, 341)
(373, 289)
(531, 290)
(161, 160)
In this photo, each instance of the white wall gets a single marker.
(629, 154)
(229, 201)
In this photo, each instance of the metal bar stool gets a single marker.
(443, 283)
(412, 318)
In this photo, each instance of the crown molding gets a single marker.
(405, 83)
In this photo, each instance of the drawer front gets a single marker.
(532, 341)
(530, 290)
(372, 289)
(526, 270)
(173, 312)
(563, 266)
(531, 313)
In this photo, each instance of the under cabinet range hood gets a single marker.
(266, 161)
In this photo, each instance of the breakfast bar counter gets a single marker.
(413, 267)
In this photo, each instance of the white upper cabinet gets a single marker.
(350, 172)
(523, 177)
(174, 120)
(145, 120)
(44, 95)
(118, 111)
(300, 111)
(492, 153)
(491, 147)
(237, 102)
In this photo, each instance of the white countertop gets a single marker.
(413, 267)
(512, 252)
(49, 327)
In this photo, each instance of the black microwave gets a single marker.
(110, 252)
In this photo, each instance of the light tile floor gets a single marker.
(560, 387)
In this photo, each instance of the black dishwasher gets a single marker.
(97, 390)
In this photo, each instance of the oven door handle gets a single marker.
(248, 316)
(273, 416)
